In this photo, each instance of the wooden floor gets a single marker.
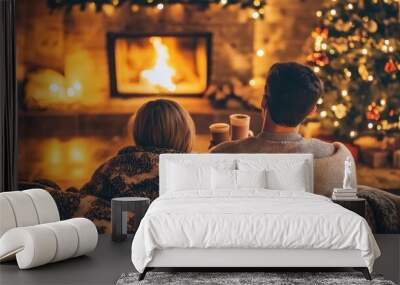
(103, 266)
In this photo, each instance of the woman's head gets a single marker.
(164, 124)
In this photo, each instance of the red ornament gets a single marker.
(390, 66)
(373, 114)
(318, 58)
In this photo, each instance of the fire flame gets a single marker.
(161, 73)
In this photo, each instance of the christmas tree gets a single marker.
(356, 54)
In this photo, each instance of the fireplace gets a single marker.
(159, 64)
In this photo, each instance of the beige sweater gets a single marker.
(328, 158)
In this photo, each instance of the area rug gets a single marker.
(243, 278)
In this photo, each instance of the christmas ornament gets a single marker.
(343, 26)
(340, 111)
(390, 66)
(373, 113)
(371, 26)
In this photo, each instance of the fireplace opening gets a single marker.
(155, 64)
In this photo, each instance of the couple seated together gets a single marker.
(163, 126)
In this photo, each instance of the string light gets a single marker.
(318, 13)
(347, 73)
(260, 52)
(223, 2)
(160, 6)
(350, 6)
(370, 78)
(255, 15)
(370, 125)
(344, 93)
(316, 69)
(323, 114)
(333, 12)
(252, 82)
(352, 134)
(320, 101)
(336, 123)
(364, 51)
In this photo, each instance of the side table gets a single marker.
(119, 214)
(355, 205)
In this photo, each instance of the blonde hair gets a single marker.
(165, 124)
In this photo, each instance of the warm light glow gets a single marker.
(76, 152)
(160, 6)
(135, 8)
(323, 114)
(252, 82)
(333, 12)
(255, 15)
(70, 92)
(336, 123)
(353, 134)
(320, 101)
(383, 102)
(319, 13)
(370, 125)
(370, 78)
(316, 69)
(109, 10)
(260, 52)
(364, 51)
(161, 73)
(54, 87)
(77, 85)
(350, 6)
(223, 2)
(345, 93)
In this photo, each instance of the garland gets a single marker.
(256, 5)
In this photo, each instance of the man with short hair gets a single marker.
(291, 94)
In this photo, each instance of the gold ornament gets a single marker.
(340, 111)
(371, 26)
(342, 26)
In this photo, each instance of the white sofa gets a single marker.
(31, 231)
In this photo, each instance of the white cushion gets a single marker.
(251, 179)
(45, 205)
(291, 180)
(188, 177)
(282, 163)
(40, 244)
(7, 218)
(23, 208)
(290, 175)
(224, 179)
